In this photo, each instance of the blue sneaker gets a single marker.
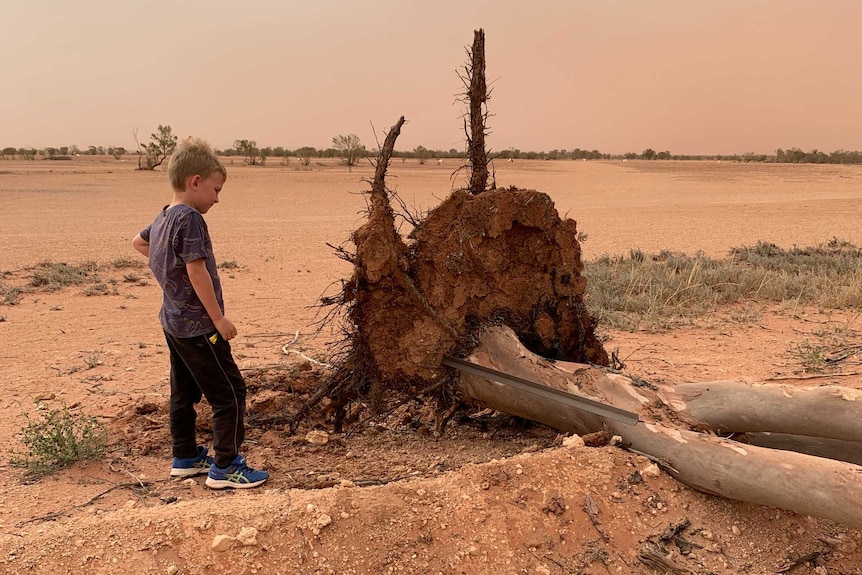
(189, 466)
(237, 475)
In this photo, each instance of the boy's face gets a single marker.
(205, 191)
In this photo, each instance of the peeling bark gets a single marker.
(671, 433)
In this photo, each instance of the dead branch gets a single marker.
(477, 95)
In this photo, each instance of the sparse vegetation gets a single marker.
(248, 149)
(127, 262)
(52, 276)
(94, 359)
(161, 145)
(350, 148)
(228, 265)
(670, 288)
(10, 295)
(57, 440)
(98, 288)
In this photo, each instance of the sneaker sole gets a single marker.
(224, 483)
(188, 471)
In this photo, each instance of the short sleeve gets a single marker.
(145, 234)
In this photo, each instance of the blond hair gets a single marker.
(193, 157)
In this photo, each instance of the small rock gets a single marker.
(735, 530)
(247, 536)
(616, 440)
(172, 570)
(323, 520)
(189, 482)
(707, 535)
(130, 504)
(223, 542)
(44, 397)
(651, 470)
(317, 437)
(543, 570)
(573, 441)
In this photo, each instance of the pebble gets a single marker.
(317, 437)
(172, 570)
(189, 482)
(247, 536)
(735, 530)
(223, 542)
(573, 441)
(323, 520)
(651, 470)
(707, 535)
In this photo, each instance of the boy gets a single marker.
(192, 315)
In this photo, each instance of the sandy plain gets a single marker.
(474, 501)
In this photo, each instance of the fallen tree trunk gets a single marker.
(669, 432)
(733, 406)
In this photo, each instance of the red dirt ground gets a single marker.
(490, 496)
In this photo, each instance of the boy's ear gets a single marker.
(194, 181)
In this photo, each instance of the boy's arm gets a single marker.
(203, 285)
(141, 245)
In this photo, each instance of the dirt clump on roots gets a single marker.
(499, 257)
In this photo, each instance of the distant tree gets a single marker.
(350, 149)
(50, 152)
(304, 153)
(630, 156)
(27, 153)
(663, 156)
(64, 150)
(117, 152)
(422, 154)
(648, 154)
(162, 144)
(9, 153)
(93, 150)
(74, 151)
(248, 149)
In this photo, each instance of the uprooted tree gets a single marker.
(494, 276)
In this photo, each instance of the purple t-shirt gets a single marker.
(178, 236)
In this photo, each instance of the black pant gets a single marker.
(199, 366)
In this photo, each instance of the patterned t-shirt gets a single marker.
(178, 236)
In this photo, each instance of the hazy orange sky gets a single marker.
(694, 77)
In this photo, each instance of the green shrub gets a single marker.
(58, 440)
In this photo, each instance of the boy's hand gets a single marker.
(225, 328)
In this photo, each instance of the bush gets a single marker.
(59, 440)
